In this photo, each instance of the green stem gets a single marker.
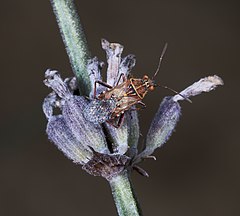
(124, 197)
(74, 40)
(76, 46)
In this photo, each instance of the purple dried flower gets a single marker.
(81, 132)
(81, 140)
(162, 126)
(70, 131)
(60, 134)
(101, 149)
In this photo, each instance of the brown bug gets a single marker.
(111, 104)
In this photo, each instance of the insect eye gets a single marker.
(151, 88)
(145, 77)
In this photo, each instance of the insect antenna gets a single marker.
(158, 68)
(160, 60)
(166, 87)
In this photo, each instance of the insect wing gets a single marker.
(124, 104)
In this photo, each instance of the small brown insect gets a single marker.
(111, 104)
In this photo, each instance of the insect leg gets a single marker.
(143, 105)
(119, 123)
(120, 120)
(140, 170)
(100, 83)
(122, 75)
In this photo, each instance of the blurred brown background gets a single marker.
(196, 172)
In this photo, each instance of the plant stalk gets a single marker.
(74, 40)
(123, 195)
(76, 46)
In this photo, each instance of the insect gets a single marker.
(112, 103)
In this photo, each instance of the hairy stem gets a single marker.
(124, 197)
(74, 40)
(76, 46)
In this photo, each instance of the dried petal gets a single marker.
(113, 51)
(203, 85)
(59, 133)
(94, 67)
(54, 81)
(126, 65)
(88, 133)
(162, 125)
(72, 84)
(48, 104)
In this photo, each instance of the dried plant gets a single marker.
(82, 132)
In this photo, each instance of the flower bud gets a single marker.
(60, 134)
(162, 126)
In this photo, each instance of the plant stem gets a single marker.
(74, 40)
(124, 197)
(76, 46)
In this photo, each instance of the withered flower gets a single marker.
(83, 134)
(102, 149)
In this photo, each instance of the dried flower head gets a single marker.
(81, 131)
